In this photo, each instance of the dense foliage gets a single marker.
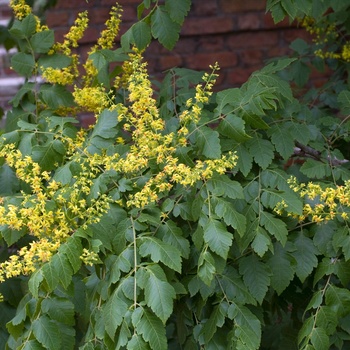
(183, 218)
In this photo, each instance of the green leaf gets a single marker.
(315, 169)
(247, 326)
(208, 142)
(56, 61)
(34, 282)
(228, 101)
(24, 29)
(51, 276)
(73, 249)
(305, 256)
(262, 151)
(141, 32)
(217, 237)
(261, 242)
(234, 288)
(64, 269)
(137, 343)
(60, 310)
(344, 102)
(206, 267)
(164, 28)
(8, 181)
(274, 226)
(160, 251)
(56, 96)
(105, 124)
(281, 264)
(47, 333)
(46, 155)
(256, 276)
(152, 330)
(178, 10)
(173, 235)
(216, 319)
(42, 42)
(159, 295)
(230, 215)
(113, 312)
(222, 185)
(32, 345)
(282, 140)
(245, 159)
(233, 127)
(23, 64)
(320, 339)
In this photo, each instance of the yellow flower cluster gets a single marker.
(20, 8)
(323, 203)
(49, 213)
(326, 34)
(91, 99)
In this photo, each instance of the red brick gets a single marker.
(206, 8)
(249, 21)
(239, 75)
(170, 61)
(290, 35)
(253, 39)
(99, 15)
(207, 25)
(204, 60)
(211, 43)
(269, 22)
(57, 18)
(250, 57)
(234, 6)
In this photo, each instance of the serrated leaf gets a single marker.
(51, 276)
(208, 142)
(245, 159)
(34, 282)
(216, 320)
(344, 102)
(56, 96)
(113, 312)
(72, 248)
(160, 251)
(8, 181)
(261, 242)
(217, 237)
(282, 140)
(256, 276)
(247, 326)
(41, 42)
(178, 9)
(64, 269)
(23, 64)
(32, 345)
(152, 330)
(234, 288)
(222, 185)
(274, 226)
(315, 169)
(141, 33)
(105, 125)
(137, 343)
(46, 156)
(230, 215)
(159, 295)
(233, 127)
(320, 339)
(60, 310)
(47, 333)
(304, 255)
(173, 235)
(281, 265)
(262, 151)
(206, 268)
(164, 28)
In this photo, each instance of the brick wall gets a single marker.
(236, 33)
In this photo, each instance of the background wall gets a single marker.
(236, 33)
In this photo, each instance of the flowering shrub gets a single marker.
(175, 221)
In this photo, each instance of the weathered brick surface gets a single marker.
(236, 33)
